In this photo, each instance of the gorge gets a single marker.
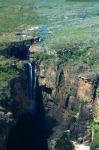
(49, 98)
(30, 130)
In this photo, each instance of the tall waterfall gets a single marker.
(32, 85)
(34, 67)
(30, 80)
(30, 129)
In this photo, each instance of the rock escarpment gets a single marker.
(68, 83)
(69, 94)
(72, 95)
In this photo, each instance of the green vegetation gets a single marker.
(79, 56)
(21, 14)
(75, 25)
(95, 144)
(17, 16)
(82, 102)
(7, 72)
(64, 143)
(42, 56)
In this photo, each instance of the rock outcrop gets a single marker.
(20, 49)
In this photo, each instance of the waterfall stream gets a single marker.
(30, 131)
(32, 77)
(30, 80)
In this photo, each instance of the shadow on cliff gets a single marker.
(19, 49)
(32, 129)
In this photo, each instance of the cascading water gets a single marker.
(30, 80)
(30, 132)
(32, 77)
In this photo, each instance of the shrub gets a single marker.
(41, 55)
(64, 143)
(95, 143)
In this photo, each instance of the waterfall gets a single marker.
(32, 85)
(29, 132)
(35, 81)
(30, 80)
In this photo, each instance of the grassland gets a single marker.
(70, 23)
(17, 14)
(74, 21)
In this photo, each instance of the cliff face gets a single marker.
(88, 90)
(61, 81)
(85, 89)
(68, 84)
(70, 93)
(73, 91)
(20, 94)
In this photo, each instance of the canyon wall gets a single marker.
(71, 84)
